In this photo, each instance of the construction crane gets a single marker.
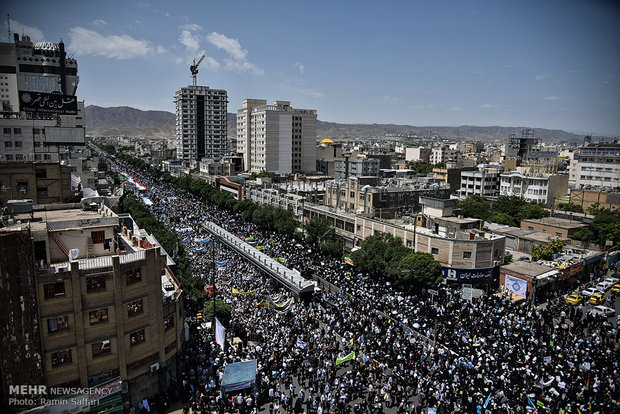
(194, 68)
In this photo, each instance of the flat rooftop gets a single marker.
(555, 222)
(527, 268)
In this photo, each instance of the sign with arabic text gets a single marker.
(47, 103)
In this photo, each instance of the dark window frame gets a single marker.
(101, 317)
(102, 350)
(63, 361)
(137, 338)
(59, 327)
(90, 288)
(136, 303)
(51, 290)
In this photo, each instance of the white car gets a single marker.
(602, 311)
(604, 286)
(612, 280)
(590, 291)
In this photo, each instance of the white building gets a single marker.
(483, 182)
(41, 118)
(201, 129)
(418, 154)
(541, 189)
(276, 138)
(444, 154)
(597, 165)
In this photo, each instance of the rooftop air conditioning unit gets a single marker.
(497, 263)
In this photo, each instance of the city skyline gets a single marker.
(544, 65)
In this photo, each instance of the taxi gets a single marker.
(615, 289)
(574, 299)
(597, 299)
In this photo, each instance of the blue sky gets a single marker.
(542, 64)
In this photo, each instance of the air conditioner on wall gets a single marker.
(154, 367)
(497, 263)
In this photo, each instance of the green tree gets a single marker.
(379, 255)
(532, 211)
(575, 208)
(223, 311)
(317, 228)
(331, 247)
(475, 206)
(102, 166)
(547, 250)
(507, 258)
(502, 218)
(419, 270)
(510, 205)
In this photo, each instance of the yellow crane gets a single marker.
(194, 68)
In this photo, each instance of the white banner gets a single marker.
(220, 334)
(516, 286)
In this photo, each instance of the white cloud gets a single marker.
(300, 67)
(193, 27)
(456, 108)
(161, 49)
(243, 66)
(488, 106)
(190, 40)
(89, 42)
(543, 77)
(389, 98)
(35, 34)
(167, 14)
(478, 72)
(551, 98)
(228, 44)
(99, 23)
(507, 66)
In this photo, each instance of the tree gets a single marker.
(475, 206)
(379, 255)
(510, 205)
(575, 208)
(102, 166)
(223, 311)
(507, 258)
(532, 211)
(419, 270)
(316, 228)
(502, 218)
(547, 250)
(331, 247)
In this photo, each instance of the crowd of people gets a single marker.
(488, 355)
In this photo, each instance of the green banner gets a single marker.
(345, 358)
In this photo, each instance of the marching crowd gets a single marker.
(488, 355)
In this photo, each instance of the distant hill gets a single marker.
(132, 122)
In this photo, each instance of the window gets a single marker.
(171, 347)
(47, 157)
(137, 338)
(53, 290)
(98, 236)
(101, 348)
(19, 157)
(18, 144)
(61, 358)
(133, 276)
(8, 144)
(169, 322)
(41, 192)
(466, 255)
(17, 131)
(95, 283)
(434, 250)
(558, 234)
(9, 157)
(41, 173)
(7, 131)
(58, 324)
(98, 316)
(135, 307)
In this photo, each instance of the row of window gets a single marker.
(98, 316)
(65, 357)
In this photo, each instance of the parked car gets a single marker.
(590, 291)
(597, 299)
(615, 289)
(574, 299)
(613, 280)
(602, 311)
(604, 286)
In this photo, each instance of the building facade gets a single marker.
(540, 189)
(483, 182)
(276, 138)
(109, 305)
(41, 118)
(597, 165)
(346, 167)
(201, 128)
(42, 182)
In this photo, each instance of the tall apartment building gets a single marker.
(541, 189)
(276, 138)
(201, 129)
(597, 165)
(354, 166)
(108, 306)
(41, 118)
(483, 182)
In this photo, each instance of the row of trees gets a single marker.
(320, 232)
(385, 255)
(510, 210)
(604, 229)
(423, 168)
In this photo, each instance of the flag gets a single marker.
(260, 248)
(220, 264)
(301, 344)
(540, 404)
(185, 240)
(202, 249)
(205, 241)
(281, 259)
(487, 401)
(220, 334)
(247, 277)
(247, 239)
(529, 401)
(345, 358)
(349, 261)
(238, 292)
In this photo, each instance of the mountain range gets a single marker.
(132, 122)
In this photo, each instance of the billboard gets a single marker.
(47, 103)
(467, 275)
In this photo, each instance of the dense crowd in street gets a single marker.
(412, 351)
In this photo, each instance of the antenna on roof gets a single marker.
(8, 25)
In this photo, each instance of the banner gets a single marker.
(220, 334)
(345, 358)
(301, 344)
(349, 261)
(48, 103)
(220, 264)
(238, 292)
(260, 248)
(281, 259)
(516, 286)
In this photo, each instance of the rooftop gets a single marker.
(555, 222)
